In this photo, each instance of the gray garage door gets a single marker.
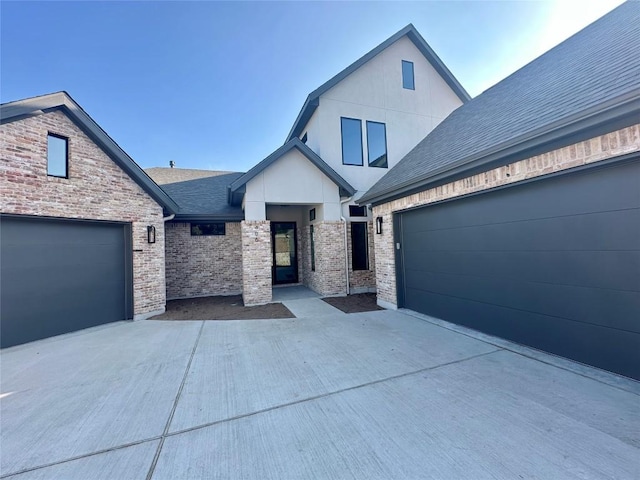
(554, 264)
(58, 276)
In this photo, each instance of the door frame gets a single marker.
(273, 253)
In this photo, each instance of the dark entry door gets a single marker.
(285, 258)
(554, 264)
(59, 276)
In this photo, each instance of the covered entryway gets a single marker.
(553, 263)
(59, 276)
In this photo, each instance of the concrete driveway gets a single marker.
(373, 395)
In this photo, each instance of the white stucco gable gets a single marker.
(292, 175)
(290, 180)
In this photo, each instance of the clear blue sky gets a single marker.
(218, 85)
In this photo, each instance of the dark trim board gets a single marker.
(61, 275)
(552, 264)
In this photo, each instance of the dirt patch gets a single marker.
(221, 308)
(360, 302)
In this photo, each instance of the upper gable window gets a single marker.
(407, 75)
(351, 141)
(304, 138)
(377, 144)
(57, 156)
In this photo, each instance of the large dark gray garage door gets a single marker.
(554, 264)
(59, 276)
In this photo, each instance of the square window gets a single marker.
(407, 75)
(377, 144)
(359, 246)
(351, 129)
(356, 211)
(198, 229)
(57, 156)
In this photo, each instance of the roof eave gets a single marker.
(21, 109)
(622, 110)
(202, 217)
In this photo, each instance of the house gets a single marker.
(519, 215)
(89, 238)
(293, 218)
(516, 213)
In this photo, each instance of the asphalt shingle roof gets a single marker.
(596, 65)
(164, 175)
(205, 197)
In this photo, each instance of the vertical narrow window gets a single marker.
(377, 144)
(304, 138)
(359, 246)
(313, 249)
(351, 141)
(57, 156)
(407, 75)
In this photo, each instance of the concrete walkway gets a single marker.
(303, 302)
(377, 395)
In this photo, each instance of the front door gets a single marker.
(285, 259)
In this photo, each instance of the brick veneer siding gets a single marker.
(97, 189)
(362, 280)
(202, 265)
(256, 262)
(329, 276)
(620, 142)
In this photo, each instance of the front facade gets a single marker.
(515, 213)
(349, 133)
(294, 217)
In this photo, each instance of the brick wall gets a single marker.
(328, 277)
(256, 262)
(97, 189)
(202, 264)
(363, 280)
(600, 148)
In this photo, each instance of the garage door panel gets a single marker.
(561, 251)
(60, 276)
(608, 348)
(611, 189)
(617, 230)
(611, 308)
(606, 270)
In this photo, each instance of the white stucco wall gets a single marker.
(291, 180)
(312, 131)
(374, 92)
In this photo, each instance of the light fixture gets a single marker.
(378, 225)
(151, 234)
